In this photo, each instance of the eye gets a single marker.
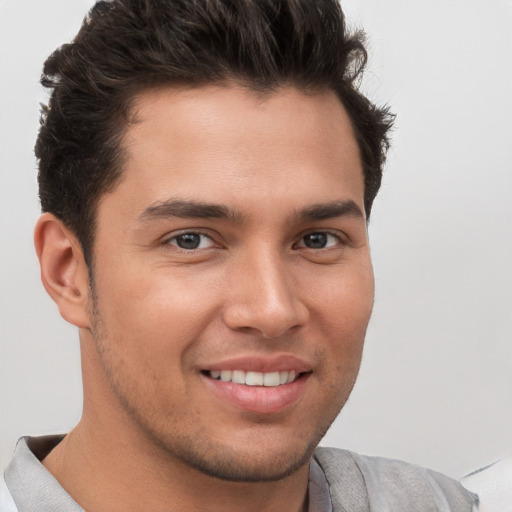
(318, 240)
(191, 241)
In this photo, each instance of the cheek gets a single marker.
(344, 297)
(342, 310)
(155, 315)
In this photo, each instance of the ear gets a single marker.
(64, 272)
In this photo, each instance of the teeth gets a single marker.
(226, 375)
(254, 379)
(271, 379)
(238, 377)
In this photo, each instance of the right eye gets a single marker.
(319, 240)
(191, 241)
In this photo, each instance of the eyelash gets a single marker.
(328, 233)
(320, 232)
(169, 241)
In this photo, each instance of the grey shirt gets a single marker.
(33, 488)
(340, 481)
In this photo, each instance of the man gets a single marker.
(207, 171)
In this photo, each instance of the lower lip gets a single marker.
(260, 399)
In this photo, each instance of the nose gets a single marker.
(263, 297)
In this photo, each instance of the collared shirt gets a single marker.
(493, 484)
(34, 488)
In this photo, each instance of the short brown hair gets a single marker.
(125, 46)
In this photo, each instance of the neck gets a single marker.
(106, 463)
(119, 474)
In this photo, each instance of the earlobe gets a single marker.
(64, 272)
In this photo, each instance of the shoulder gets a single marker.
(387, 484)
(6, 501)
(493, 485)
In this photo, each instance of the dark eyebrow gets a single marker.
(344, 208)
(189, 210)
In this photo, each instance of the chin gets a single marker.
(231, 465)
(259, 455)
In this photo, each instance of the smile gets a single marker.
(266, 392)
(269, 379)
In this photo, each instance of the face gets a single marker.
(232, 281)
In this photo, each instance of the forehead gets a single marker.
(227, 140)
(232, 112)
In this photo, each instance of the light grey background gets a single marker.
(436, 382)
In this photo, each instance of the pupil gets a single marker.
(189, 241)
(315, 240)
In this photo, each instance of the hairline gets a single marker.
(128, 117)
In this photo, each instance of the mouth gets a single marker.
(262, 385)
(258, 392)
(250, 378)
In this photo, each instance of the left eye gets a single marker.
(318, 240)
(191, 241)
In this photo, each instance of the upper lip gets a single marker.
(264, 364)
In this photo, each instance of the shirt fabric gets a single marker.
(339, 481)
(358, 483)
(493, 484)
(33, 488)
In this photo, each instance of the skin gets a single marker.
(158, 315)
